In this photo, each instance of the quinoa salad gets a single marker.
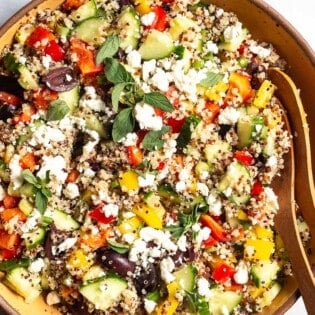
(138, 145)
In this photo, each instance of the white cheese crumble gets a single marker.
(241, 274)
(167, 266)
(169, 148)
(182, 243)
(147, 180)
(204, 287)
(203, 189)
(147, 117)
(71, 191)
(160, 79)
(46, 60)
(130, 139)
(232, 32)
(272, 199)
(260, 51)
(37, 265)
(16, 176)
(63, 246)
(215, 205)
(31, 221)
(212, 47)
(229, 116)
(45, 135)
(134, 59)
(147, 68)
(148, 19)
(2, 193)
(149, 305)
(110, 210)
(92, 100)
(56, 165)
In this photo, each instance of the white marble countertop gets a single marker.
(301, 14)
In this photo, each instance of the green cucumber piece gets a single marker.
(270, 294)
(264, 272)
(236, 183)
(129, 28)
(157, 45)
(27, 190)
(71, 98)
(27, 79)
(84, 12)
(93, 123)
(248, 129)
(34, 238)
(104, 292)
(64, 221)
(95, 272)
(234, 44)
(8, 265)
(91, 30)
(21, 281)
(222, 303)
(25, 206)
(62, 30)
(214, 151)
(186, 277)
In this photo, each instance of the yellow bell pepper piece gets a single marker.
(258, 249)
(216, 92)
(264, 94)
(130, 225)
(78, 259)
(169, 306)
(142, 6)
(129, 181)
(263, 233)
(241, 215)
(150, 215)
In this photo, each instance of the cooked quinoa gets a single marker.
(137, 155)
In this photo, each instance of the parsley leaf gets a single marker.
(152, 140)
(211, 79)
(158, 100)
(108, 49)
(116, 73)
(57, 110)
(123, 124)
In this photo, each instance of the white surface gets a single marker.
(300, 13)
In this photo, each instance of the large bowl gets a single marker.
(266, 25)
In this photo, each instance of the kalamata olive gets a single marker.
(147, 280)
(8, 111)
(116, 262)
(77, 146)
(252, 67)
(184, 257)
(121, 54)
(60, 79)
(10, 85)
(255, 82)
(224, 129)
(48, 246)
(123, 2)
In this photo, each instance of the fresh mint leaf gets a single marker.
(186, 131)
(152, 140)
(158, 100)
(41, 201)
(30, 178)
(211, 79)
(197, 303)
(57, 110)
(46, 192)
(123, 124)
(117, 247)
(116, 73)
(108, 49)
(179, 51)
(117, 90)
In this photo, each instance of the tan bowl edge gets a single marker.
(284, 37)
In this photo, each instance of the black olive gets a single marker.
(77, 146)
(224, 129)
(123, 2)
(48, 246)
(116, 262)
(147, 280)
(252, 67)
(8, 111)
(60, 79)
(255, 82)
(10, 85)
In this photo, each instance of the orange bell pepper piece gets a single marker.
(217, 231)
(135, 155)
(8, 241)
(241, 82)
(7, 214)
(29, 161)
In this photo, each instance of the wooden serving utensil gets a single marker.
(295, 189)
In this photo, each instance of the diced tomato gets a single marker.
(161, 166)
(209, 242)
(86, 59)
(223, 272)
(217, 231)
(242, 49)
(9, 241)
(9, 99)
(98, 215)
(167, 1)
(160, 22)
(213, 111)
(135, 155)
(55, 51)
(175, 124)
(9, 213)
(244, 157)
(43, 97)
(40, 37)
(257, 189)
(28, 161)
(241, 82)
(10, 202)
(73, 4)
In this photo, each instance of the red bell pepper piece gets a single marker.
(213, 110)
(160, 22)
(217, 231)
(40, 37)
(55, 51)
(257, 189)
(86, 59)
(209, 242)
(10, 202)
(43, 97)
(223, 272)
(135, 155)
(175, 124)
(244, 157)
(8, 254)
(161, 166)
(9, 99)
(98, 215)
(9, 241)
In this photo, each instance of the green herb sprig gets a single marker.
(211, 79)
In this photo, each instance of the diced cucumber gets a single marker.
(215, 150)
(222, 303)
(84, 12)
(186, 277)
(71, 98)
(236, 183)
(64, 221)
(95, 272)
(179, 25)
(104, 292)
(129, 28)
(23, 283)
(234, 44)
(91, 30)
(270, 143)
(27, 190)
(93, 123)
(62, 30)
(248, 128)
(23, 33)
(270, 294)
(157, 45)
(34, 238)
(27, 79)
(25, 206)
(264, 272)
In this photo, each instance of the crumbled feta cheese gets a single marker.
(89, 173)
(63, 246)
(130, 139)
(110, 210)
(147, 180)
(232, 32)
(46, 60)
(203, 189)
(196, 227)
(167, 266)
(182, 243)
(147, 68)
(203, 287)
(203, 234)
(16, 176)
(212, 47)
(2, 193)
(241, 274)
(215, 205)
(52, 298)
(139, 246)
(31, 221)
(180, 186)
(56, 165)
(184, 174)
(260, 51)
(134, 59)
(92, 100)
(229, 116)
(160, 80)
(272, 162)
(129, 238)
(147, 117)
(148, 19)
(272, 199)
(37, 265)
(149, 305)
(71, 191)
(45, 135)
(169, 148)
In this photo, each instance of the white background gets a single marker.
(300, 13)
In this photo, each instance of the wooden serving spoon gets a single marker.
(295, 188)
